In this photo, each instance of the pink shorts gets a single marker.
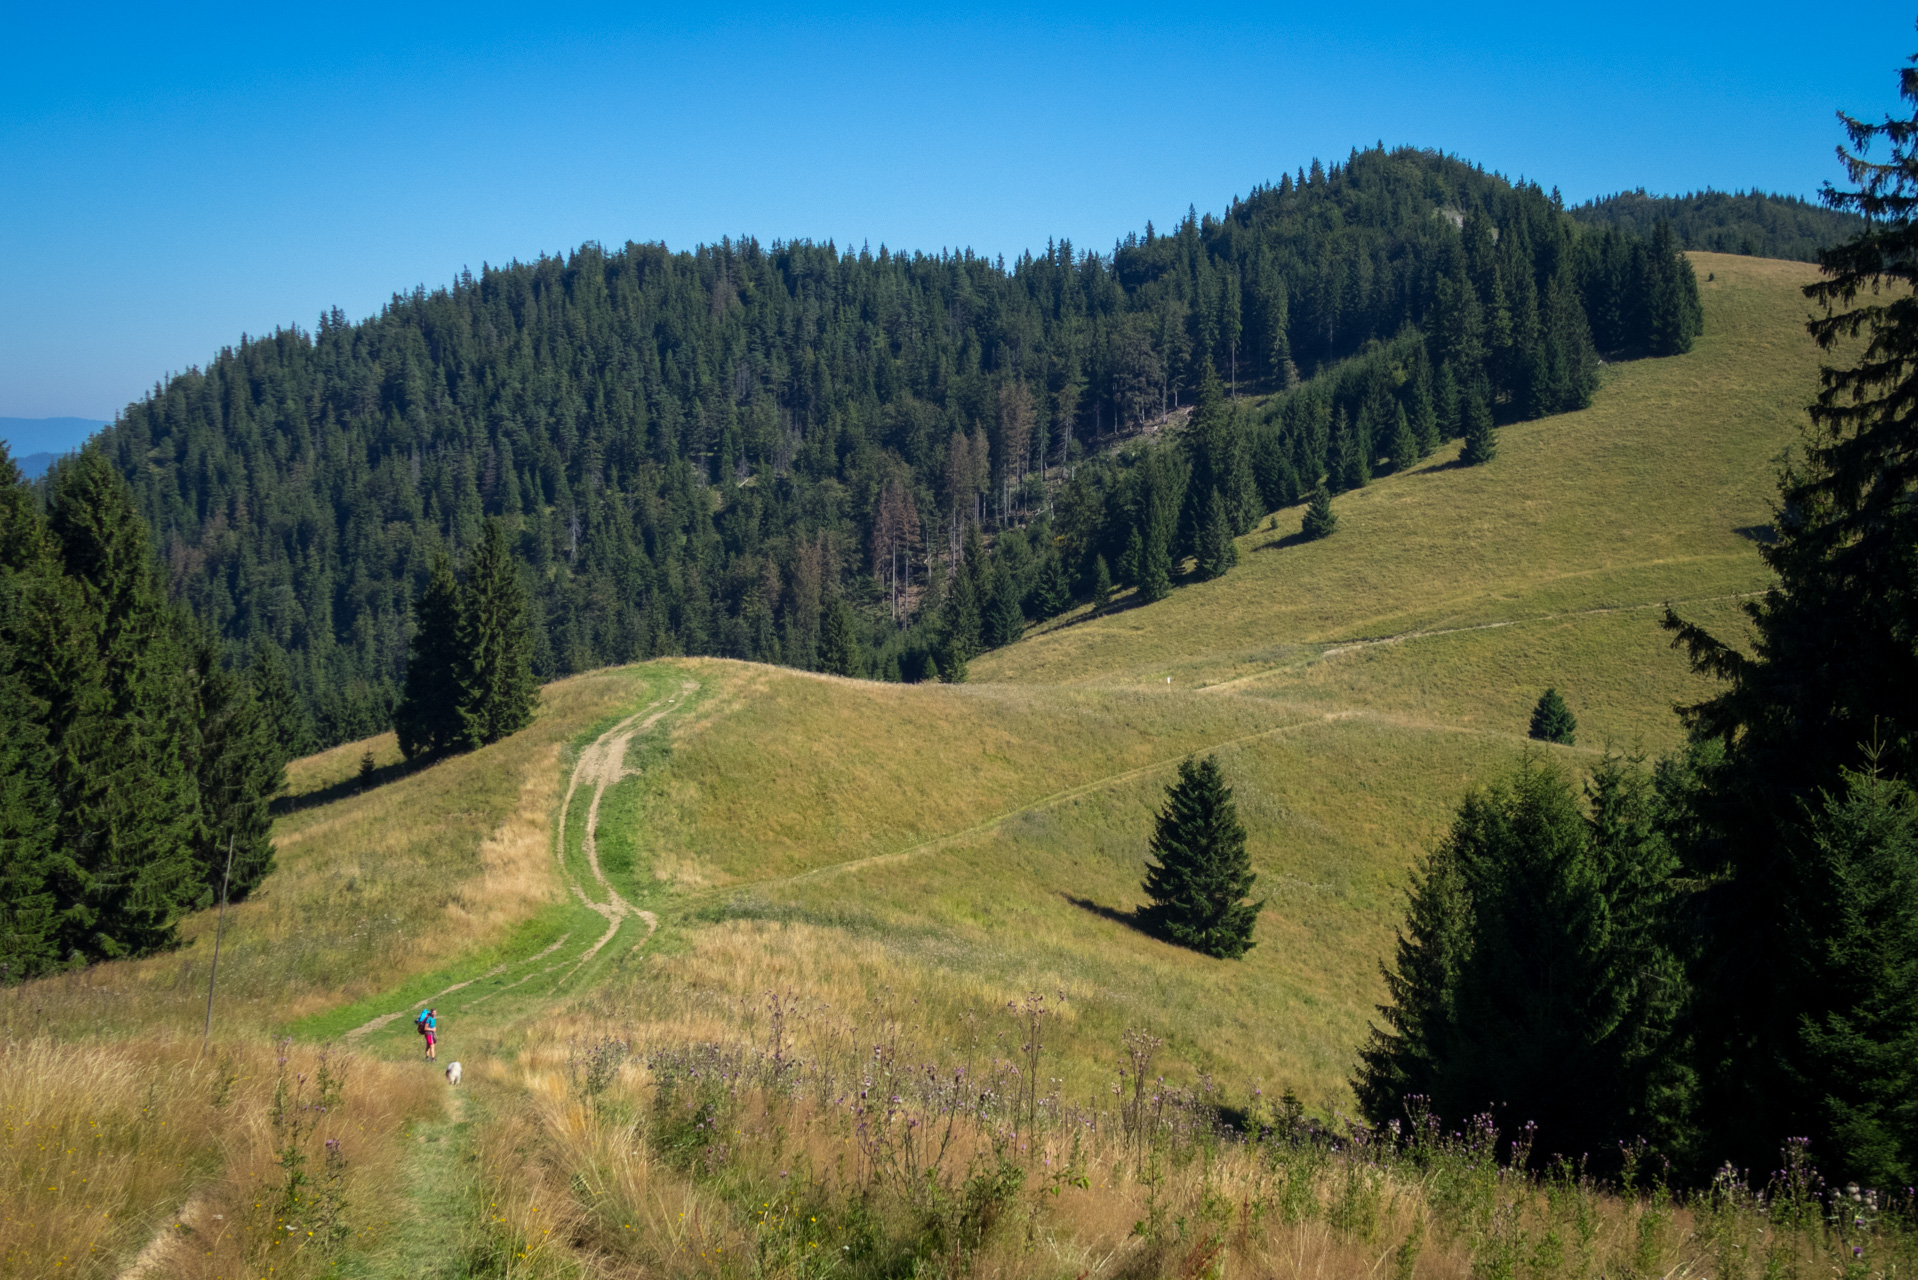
(429, 1039)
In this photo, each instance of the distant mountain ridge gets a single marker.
(1755, 223)
(37, 443)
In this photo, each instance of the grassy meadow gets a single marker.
(804, 891)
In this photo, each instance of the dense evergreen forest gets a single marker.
(1750, 222)
(1705, 960)
(135, 767)
(855, 460)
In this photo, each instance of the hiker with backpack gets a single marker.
(428, 1026)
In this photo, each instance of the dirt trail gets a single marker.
(600, 765)
(603, 764)
(156, 1258)
(1335, 648)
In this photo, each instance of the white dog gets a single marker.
(453, 1073)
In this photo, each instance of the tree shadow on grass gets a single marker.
(280, 806)
(1293, 539)
(1130, 919)
(1120, 604)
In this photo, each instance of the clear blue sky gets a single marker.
(170, 179)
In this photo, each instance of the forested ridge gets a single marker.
(789, 452)
(1750, 222)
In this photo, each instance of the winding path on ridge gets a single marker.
(601, 764)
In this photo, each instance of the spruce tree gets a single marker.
(1829, 687)
(1533, 971)
(1354, 468)
(959, 629)
(290, 728)
(1155, 569)
(1405, 445)
(1481, 437)
(1052, 594)
(428, 720)
(1320, 520)
(1447, 406)
(1856, 1060)
(106, 656)
(1004, 621)
(238, 767)
(1674, 316)
(1404, 1059)
(840, 653)
(1201, 878)
(1132, 559)
(1552, 720)
(495, 644)
(29, 939)
(1101, 583)
(1218, 552)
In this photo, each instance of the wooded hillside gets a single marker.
(708, 451)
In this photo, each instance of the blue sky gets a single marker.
(171, 178)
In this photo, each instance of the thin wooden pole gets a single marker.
(219, 927)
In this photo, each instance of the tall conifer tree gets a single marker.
(839, 648)
(495, 644)
(29, 940)
(1830, 689)
(428, 718)
(1405, 445)
(1218, 552)
(238, 766)
(1005, 621)
(1155, 569)
(109, 662)
(1320, 520)
(1481, 437)
(1533, 973)
(287, 722)
(1199, 883)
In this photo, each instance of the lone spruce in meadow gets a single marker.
(1199, 884)
(1553, 721)
(1320, 519)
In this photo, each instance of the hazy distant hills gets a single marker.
(36, 443)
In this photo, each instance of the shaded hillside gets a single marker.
(700, 452)
(1744, 222)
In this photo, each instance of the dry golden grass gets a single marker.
(814, 1141)
(141, 1154)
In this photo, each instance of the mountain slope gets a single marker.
(1656, 493)
(903, 862)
